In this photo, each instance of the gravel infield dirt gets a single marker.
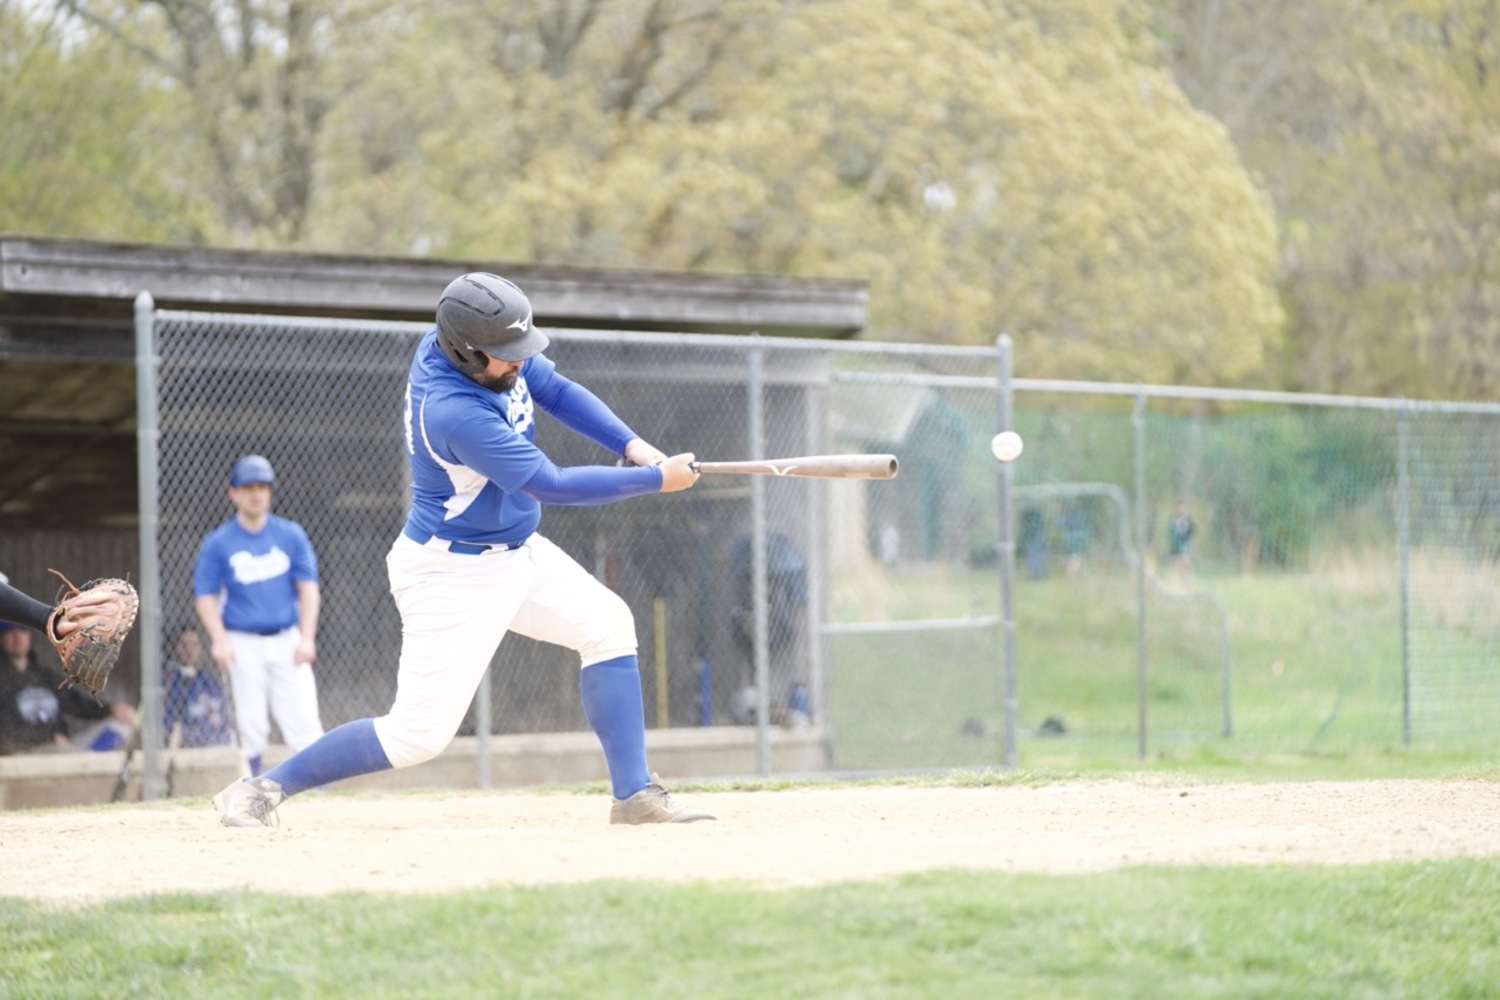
(435, 843)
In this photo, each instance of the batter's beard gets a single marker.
(502, 383)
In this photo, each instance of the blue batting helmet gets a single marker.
(252, 469)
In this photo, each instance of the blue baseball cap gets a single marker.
(252, 469)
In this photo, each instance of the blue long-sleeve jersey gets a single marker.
(476, 474)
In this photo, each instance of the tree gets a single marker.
(79, 149)
(1374, 128)
(1455, 49)
(254, 82)
(984, 169)
(1027, 167)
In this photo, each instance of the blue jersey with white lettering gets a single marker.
(256, 574)
(476, 474)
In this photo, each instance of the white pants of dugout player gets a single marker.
(267, 685)
(455, 609)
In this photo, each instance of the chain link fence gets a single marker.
(1336, 591)
(1329, 585)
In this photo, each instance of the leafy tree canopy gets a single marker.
(1375, 128)
(1029, 167)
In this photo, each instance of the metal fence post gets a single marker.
(1138, 418)
(1005, 402)
(148, 434)
(755, 386)
(1403, 549)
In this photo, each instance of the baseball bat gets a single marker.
(808, 467)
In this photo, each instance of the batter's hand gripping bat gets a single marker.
(808, 467)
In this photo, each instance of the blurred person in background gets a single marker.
(197, 710)
(255, 588)
(1180, 539)
(40, 712)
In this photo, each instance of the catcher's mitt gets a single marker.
(88, 627)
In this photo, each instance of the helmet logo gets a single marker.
(522, 323)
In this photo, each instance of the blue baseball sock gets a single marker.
(613, 704)
(346, 752)
(254, 765)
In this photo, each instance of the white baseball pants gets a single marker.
(456, 608)
(266, 684)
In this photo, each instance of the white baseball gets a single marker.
(1006, 446)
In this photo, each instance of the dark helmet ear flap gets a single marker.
(468, 360)
(482, 316)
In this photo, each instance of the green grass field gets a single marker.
(1418, 930)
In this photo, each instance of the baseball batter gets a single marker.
(255, 588)
(470, 565)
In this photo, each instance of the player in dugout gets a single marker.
(470, 565)
(36, 700)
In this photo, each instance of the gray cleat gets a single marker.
(652, 804)
(249, 802)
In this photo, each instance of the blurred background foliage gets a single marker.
(1298, 194)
